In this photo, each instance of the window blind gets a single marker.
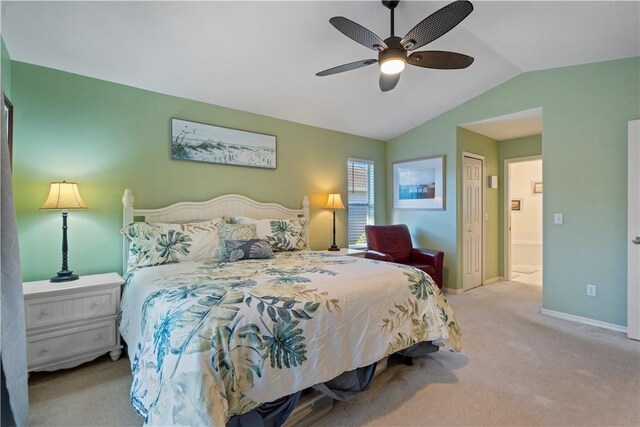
(360, 200)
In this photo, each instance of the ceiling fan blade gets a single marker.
(388, 81)
(347, 67)
(357, 33)
(437, 24)
(440, 60)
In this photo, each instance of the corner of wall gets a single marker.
(5, 69)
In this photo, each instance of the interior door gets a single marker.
(633, 223)
(472, 206)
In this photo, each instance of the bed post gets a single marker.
(127, 218)
(305, 208)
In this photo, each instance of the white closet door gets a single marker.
(472, 223)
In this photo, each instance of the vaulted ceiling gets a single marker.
(262, 56)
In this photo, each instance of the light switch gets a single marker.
(558, 218)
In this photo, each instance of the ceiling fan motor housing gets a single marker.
(394, 50)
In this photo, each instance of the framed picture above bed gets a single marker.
(214, 144)
(419, 184)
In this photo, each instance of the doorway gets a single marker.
(523, 225)
(472, 221)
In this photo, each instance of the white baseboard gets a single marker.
(453, 291)
(584, 320)
(493, 280)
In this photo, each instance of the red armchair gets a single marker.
(392, 243)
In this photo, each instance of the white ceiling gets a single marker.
(262, 56)
(509, 126)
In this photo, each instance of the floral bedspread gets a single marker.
(208, 340)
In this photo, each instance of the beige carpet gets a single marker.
(517, 367)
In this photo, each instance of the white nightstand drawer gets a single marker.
(70, 307)
(55, 345)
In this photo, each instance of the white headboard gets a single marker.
(227, 205)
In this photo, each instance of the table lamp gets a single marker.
(64, 196)
(334, 202)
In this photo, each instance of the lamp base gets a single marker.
(64, 276)
(334, 248)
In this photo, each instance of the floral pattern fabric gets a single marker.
(209, 340)
(248, 249)
(234, 232)
(283, 234)
(161, 243)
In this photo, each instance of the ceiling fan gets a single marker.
(392, 52)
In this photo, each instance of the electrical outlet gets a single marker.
(591, 290)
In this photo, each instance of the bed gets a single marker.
(213, 341)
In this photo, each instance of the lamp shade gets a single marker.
(64, 195)
(334, 202)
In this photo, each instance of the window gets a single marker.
(359, 200)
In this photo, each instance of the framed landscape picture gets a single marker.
(214, 144)
(419, 184)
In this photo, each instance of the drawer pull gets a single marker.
(97, 337)
(95, 305)
(45, 349)
(44, 313)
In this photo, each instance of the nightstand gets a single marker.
(358, 253)
(70, 323)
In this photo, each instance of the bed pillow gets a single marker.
(161, 243)
(248, 249)
(283, 234)
(228, 232)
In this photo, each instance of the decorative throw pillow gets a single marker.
(302, 240)
(283, 234)
(248, 249)
(234, 232)
(161, 243)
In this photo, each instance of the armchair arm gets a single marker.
(430, 257)
(378, 256)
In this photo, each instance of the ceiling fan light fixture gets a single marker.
(393, 65)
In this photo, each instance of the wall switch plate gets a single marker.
(558, 218)
(591, 290)
(493, 181)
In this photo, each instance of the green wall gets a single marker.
(5, 63)
(474, 143)
(586, 109)
(429, 229)
(512, 149)
(108, 137)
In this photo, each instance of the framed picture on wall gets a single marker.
(536, 188)
(516, 205)
(214, 144)
(419, 184)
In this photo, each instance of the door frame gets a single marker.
(484, 215)
(506, 197)
(633, 211)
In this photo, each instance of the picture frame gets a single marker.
(419, 184)
(536, 188)
(202, 142)
(516, 205)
